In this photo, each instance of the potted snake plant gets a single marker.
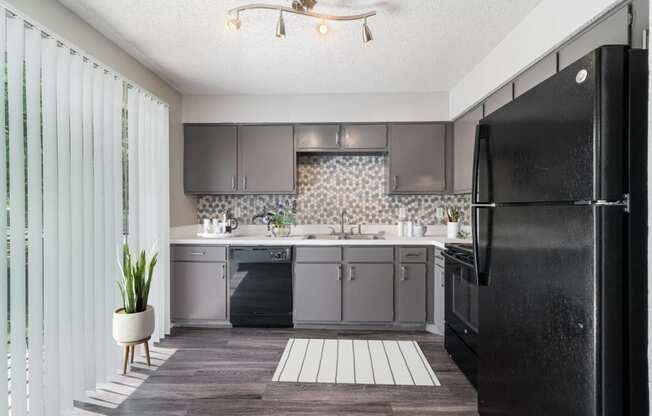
(135, 320)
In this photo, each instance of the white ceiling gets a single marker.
(420, 45)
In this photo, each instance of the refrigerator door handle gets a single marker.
(481, 277)
(481, 133)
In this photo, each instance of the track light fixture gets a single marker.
(302, 8)
(366, 32)
(280, 26)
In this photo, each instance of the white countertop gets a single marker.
(255, 235)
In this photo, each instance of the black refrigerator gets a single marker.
(559, 228)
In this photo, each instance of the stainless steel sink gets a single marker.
(344, 237)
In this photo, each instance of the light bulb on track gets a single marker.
(366, 33)
(322, 28)
(280, 26)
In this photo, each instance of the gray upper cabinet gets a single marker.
(266, 159)
(210, 159)
(464, 144)
(614, 30)
(317, 136)
(369, 293)
(412, 292)
(498, 99)
(198, 291)
(364, 137)
(317, 292)
(536, 74)
(417, 158)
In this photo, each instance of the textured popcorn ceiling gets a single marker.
(420, 45)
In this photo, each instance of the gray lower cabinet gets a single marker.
(316, 136)
(412, 292)
(368, 293)
(199, 291)
(464, 146)
(266, 159)
(317, 292)
(210, 159)
(417, 158)
(364, 137)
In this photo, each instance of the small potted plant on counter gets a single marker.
(453, 216)
(279, 220)
(133, 324)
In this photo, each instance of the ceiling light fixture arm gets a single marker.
(236, 11)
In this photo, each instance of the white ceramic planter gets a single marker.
(451, 229)
(131, 327)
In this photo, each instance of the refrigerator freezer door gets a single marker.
(550, 342)
(563, 140)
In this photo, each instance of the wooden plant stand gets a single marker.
(130, 348)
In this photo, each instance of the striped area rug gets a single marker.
(345, 361)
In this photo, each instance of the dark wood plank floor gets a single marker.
(228, 372)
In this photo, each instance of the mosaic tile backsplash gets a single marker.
(326, 184)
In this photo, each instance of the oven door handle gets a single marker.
(456, 260)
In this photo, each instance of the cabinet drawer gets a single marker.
(318, 254)
(413, 254)
(198, 253)
(369, 254)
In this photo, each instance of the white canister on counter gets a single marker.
(452, 228)
(409, 229)
(401, 228)
(419, 230)
(206, 226)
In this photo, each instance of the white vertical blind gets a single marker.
(18, 307)
(88, 224)
(148, 134)
(34, 219)
(66, 117)
(98, 177)
(4, 296)
(50, 229)
(65, 280)
(76, 205)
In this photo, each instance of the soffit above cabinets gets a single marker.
(420, 45)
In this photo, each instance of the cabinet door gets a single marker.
(464, 142)
(614, 30)
(412, 292)
(538, 73)
(198, 291)
(417, 158)
(317, 136)
(209, 159)
(439, 303)
(369, 293)
(364, 137)
(266, 155)
(498, 99)
(317, 292)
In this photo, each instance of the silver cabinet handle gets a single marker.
(198, 253)
(339, 272)
(244, 183)
(413, 255)
(404, 273)
(351, 273)
(223, 271)
(395, 186)
(233, 182)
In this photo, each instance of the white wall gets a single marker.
(315, 108)
(57, 18)
(550, 24)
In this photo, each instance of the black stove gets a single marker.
(461, 309)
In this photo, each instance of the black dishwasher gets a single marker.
(260, 286)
